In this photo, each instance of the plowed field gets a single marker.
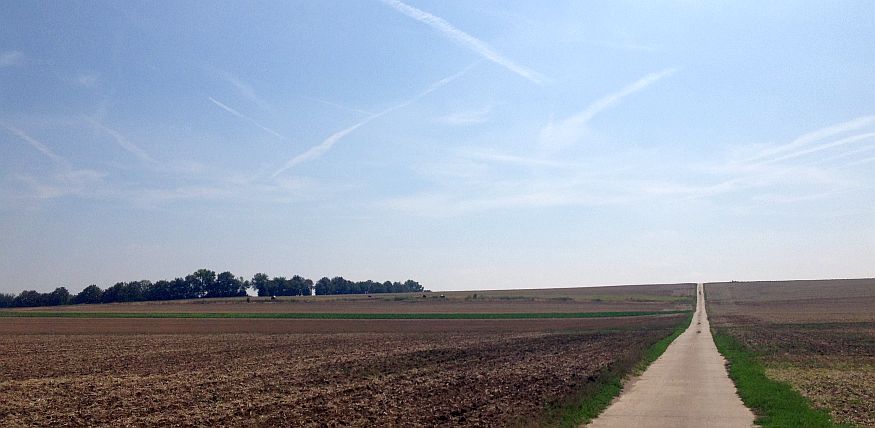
(819, 336)
(251, 372)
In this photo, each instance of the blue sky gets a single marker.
(464, 145)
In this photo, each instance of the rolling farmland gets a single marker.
(818, 336)
(311, 372)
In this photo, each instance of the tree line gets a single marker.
(205, 283)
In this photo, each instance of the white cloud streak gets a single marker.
(471, 117)
(465, 39)
(36, 144)
(557, 135)
(122, 141)
(337, 106)
(814, 136)
(326, 144)
(820, 147)
(244, 89)
(517, 160)
(11, 59)
(246, 118)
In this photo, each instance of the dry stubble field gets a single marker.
(260, 372)
(818, 336)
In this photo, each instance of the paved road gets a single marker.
(686, 387)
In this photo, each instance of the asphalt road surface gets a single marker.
(686, 387)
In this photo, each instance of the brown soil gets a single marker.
(819, 336)
(304, 372)
(78, 326)
(847, 300)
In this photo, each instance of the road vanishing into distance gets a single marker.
(686, 387)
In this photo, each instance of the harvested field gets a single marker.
(583, 299)
(185, 372)
(818, 336)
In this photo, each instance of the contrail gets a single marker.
(567, 131)
(243, 88)
(336, 105)
(326, 144)
(611, 100)
(841, 142)
(817, 135)
(122, 141)
(464, 39)
(42, 148)
(247, 118)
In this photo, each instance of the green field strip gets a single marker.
(775, 403)
(337, 316)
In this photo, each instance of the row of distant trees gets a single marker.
(205, 283)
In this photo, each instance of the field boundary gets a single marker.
(328, 315)
(598, 395)
(776, 404)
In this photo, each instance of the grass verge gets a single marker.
(597, 395)
(324, 315)
(776, 404)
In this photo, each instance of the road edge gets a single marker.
(609, 385)
(774, 403)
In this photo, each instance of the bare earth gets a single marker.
(255, 372)
(686, 387)
(315, 372)
(818, 336)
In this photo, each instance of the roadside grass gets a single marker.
(776, 404)
(597, 395)
(326, 315)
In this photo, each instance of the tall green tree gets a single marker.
(90, 294)
(58, 297)
(6, 300)
(226, 285)
(261, 283)
(323, 287)
(28, 298)
(201, 281)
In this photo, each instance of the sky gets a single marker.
(466, 145)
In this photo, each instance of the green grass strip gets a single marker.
(776, 404)
(327, 315)
(597, 396)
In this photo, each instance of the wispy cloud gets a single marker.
(36, 144)
(64, 182)
(465, 39)
(326, 144)
(122, 141)
(814, 136)
(821, 147)
(337, 106)
(244, 89)
(492, 156)
(557, 135)
(11, 59)
(479, 180)
(88, 80)
(628, 45)
(845, 154)
(246, 118)
(470, 117)
(862, 161)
